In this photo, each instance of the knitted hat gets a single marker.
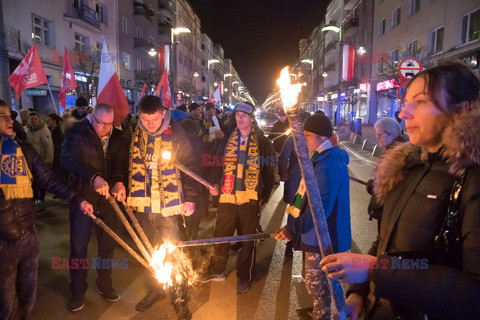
(319, 124)
(81, 102)
(246, 107)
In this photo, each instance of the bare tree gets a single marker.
(149, 76)
(86, 64)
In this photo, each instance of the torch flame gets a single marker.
(288, 91)
(288, 132)
(163, 269)
(166, 155)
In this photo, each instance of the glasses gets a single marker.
(105, 124)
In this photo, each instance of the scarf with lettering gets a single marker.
(15, 177)
(241, 170)
(155, 184)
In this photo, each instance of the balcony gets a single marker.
(165, 8)
(142, 43)
(348, 4)
(330, 46)
(143, 9)
(330, 67)
(81, 13)
(12, 38)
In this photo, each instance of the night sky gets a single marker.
(259, 36)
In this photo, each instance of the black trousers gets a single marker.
(18, 275)
(80, 230)
(244, 218)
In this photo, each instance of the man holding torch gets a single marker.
(330, 167)
(247, 180)
(157, 190)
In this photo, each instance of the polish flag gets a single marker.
(28, 74)
(163, 90)
(68, 80)
(143, 90)
(215, 98)
(163, 57)
(348, 62)
(109, 89)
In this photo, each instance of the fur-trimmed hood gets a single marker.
(461, 150)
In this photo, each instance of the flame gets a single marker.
(288, 132)
(288, 91)
(166, 155)
(169, 264)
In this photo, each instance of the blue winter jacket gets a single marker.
(331, 172)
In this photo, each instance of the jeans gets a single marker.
(18, 275)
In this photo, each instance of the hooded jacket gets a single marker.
(414, 188)
(331, 171)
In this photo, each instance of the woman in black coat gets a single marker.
(426, 261)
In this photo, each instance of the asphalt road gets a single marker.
(277, 292)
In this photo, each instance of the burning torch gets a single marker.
(289, 93)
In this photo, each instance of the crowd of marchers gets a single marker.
(425, 196)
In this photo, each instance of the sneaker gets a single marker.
(152, 296)
(243, 286)
(76, 304)
(108, 294)
(217, 277)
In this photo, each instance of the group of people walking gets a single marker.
(425, 195)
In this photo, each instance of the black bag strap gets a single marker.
(449, 237)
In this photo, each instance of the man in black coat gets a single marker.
(89, 152)
(157, 193)
(247, 181)
(19, 243)
(278, 130)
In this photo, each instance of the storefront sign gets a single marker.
(385, 85)
(36, 92)
(364, 86)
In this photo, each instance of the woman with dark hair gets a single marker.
(426, 261)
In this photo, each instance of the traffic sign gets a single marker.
(402, 88)
(409, 67)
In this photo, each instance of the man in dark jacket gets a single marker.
(53, 123)
(330, 166)
(20, 133)
(81, 108)
(88, 154)
(247, 180)
(19, 243)
(168, 193)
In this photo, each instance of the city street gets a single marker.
(277, 292)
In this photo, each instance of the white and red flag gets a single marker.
(68, 80)
(29, 73)
(348, 62)
(143, 90)
(215, 98)
(109, 89)
(163, 90)
(163, 57)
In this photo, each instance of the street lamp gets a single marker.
(324, 74)
(152, 52)
(227, 75)
(340, 63)
(176, 31)
(361, 51)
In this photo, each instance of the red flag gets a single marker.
(109, 89)
(215, 98)
(163, 57)
(29, 73)
(143, 90)
(163, 91)
(68, 80)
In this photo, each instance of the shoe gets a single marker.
(216, 277)
(243, 286)
(305, 313)
(183, 313)
(108, 294)
(152, 296)
(76, 304)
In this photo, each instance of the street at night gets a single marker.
(240, 159)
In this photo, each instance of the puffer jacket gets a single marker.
(41, 140)
(414, 188)
(83, 157)
(17, 216)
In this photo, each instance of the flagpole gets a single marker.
(51, 95)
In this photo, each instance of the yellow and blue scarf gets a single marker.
(155, 184)
(15, 177)
(242, 169)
